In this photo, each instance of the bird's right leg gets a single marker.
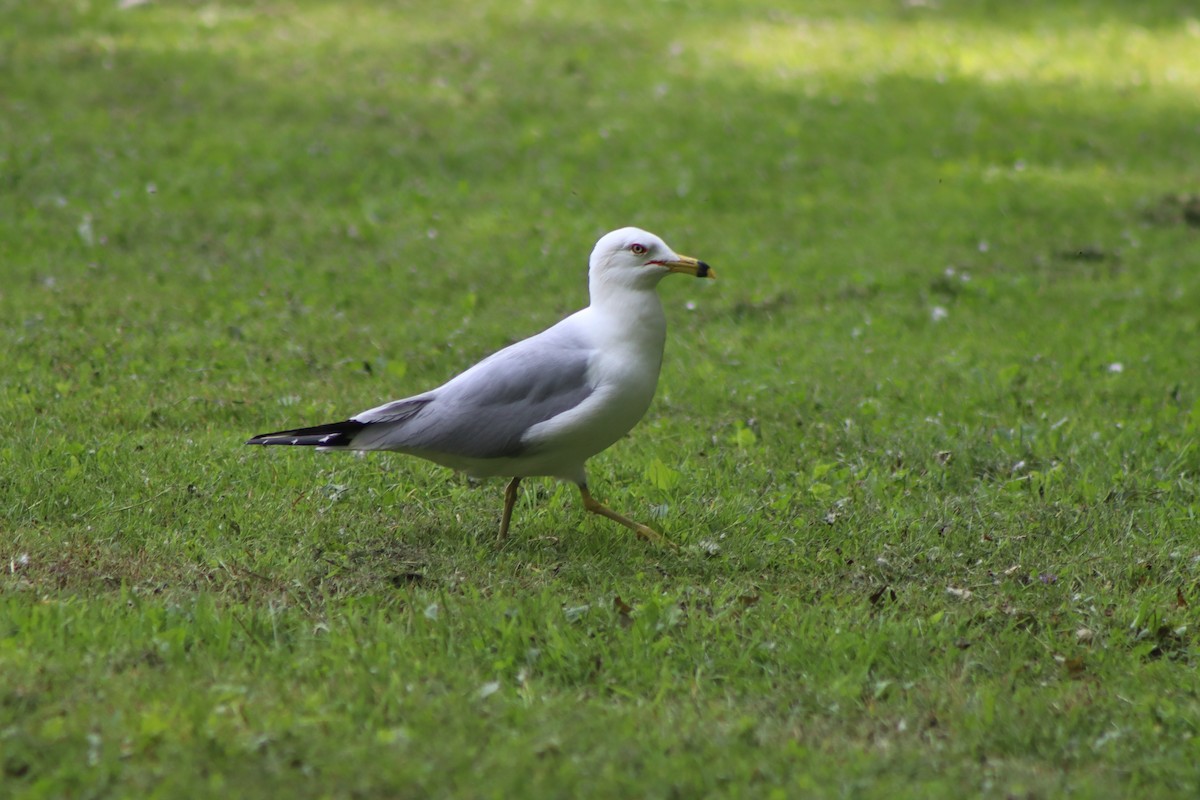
(510, 498)
(643, 531)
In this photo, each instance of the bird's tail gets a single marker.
(335, 434)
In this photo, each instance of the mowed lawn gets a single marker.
(930, 445)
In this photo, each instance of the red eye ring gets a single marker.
(638, 249)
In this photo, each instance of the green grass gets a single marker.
(929, 445)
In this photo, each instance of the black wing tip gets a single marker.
(262, 438)
(335, 434)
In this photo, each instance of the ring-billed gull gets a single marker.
(545, 405)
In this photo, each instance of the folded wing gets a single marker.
(483, 413)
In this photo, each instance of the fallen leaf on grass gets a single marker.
(1075, 667)
(624, 610)
(961, 594)
(884, 592)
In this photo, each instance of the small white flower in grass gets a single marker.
(1116, 366)
(938, 313)
(690, 305)
(85, 230)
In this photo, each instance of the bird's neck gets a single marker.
(637, 314)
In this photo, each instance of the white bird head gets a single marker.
(638, 259)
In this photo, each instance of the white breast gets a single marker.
(624, 374)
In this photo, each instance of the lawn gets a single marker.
(930, 446)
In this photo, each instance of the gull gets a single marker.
(545, 405)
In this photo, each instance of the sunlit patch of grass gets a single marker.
(817, 54)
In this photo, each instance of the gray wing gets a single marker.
(485, 411)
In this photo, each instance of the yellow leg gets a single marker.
(643, 532)
(510, 498)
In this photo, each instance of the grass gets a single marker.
(929, 444)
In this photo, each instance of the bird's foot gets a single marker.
(648, 534)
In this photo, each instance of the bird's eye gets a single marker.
(637, 249)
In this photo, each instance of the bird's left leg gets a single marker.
(510, 498)
(643, 531)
